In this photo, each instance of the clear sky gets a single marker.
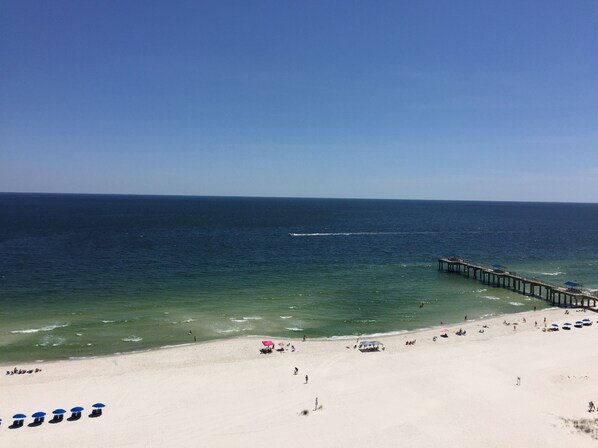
(491, 100)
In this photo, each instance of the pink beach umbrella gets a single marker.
(267, 343)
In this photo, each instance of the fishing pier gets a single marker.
(498, 277)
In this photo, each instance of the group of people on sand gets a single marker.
(296, 372)
(410, 342)
(17, 371)
(283, 348)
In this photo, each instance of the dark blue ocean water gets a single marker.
(85, 275)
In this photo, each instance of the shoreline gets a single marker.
(260, 337)
(459, 390)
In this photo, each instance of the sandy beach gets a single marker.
(454, 391)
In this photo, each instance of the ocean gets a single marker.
(92, 275)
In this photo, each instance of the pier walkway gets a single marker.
(500, 278)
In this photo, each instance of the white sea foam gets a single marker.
(50, 340)
(238, 320)
(551, 273)
(339, 233)
(230, 330)
(481, 290)
(390, 333)
(285, 317)
(132, 338)
(491, 298)
(252, 317)
(294, 329)
(174, 345)
(360, 233)
(108, 321)
(36, 330)
(78, 334)
(186, 321)
(516, 303)
(292, 307)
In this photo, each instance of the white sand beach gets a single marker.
(455, 391)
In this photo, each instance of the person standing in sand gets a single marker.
(306, 379)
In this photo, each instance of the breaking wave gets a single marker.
(36, 330)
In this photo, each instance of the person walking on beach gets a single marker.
(316, 408)
(591, 406)
(306, 379)
(296, 371)
(518, 381)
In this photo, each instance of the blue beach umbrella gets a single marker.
(98, 405)
(58, 411)
(571, 284)
(39, 415)
(77, 409)
(19, 416)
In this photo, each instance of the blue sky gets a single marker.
(364, 99)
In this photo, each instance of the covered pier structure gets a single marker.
(569, 295)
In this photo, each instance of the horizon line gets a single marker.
(289, 197)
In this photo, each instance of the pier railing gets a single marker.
(501, 278)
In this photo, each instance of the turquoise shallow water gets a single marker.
(87, 275)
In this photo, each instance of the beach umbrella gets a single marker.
(267, 343)
(19, 416)
(39, 415)
(573, 284)
(97, 409)
(58, 411)
(555, 325)
(77, 409)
